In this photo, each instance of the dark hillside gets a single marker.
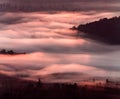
(13, 88)
(106, 30)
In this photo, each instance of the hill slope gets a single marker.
(106, 30)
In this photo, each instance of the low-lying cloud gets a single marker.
(54, 52)
(52, 67)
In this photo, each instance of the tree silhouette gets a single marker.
(3, 51)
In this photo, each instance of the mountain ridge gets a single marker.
(105, 30)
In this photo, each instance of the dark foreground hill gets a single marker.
(106, 30)
(13, 88)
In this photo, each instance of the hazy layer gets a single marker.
(55, 53)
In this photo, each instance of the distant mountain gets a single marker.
(9, 52)
(106, 30)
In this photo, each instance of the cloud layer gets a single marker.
(60, 67)
(54, 52)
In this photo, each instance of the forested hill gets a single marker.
(107, 30)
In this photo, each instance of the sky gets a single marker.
(54, 52)
(65, 5)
